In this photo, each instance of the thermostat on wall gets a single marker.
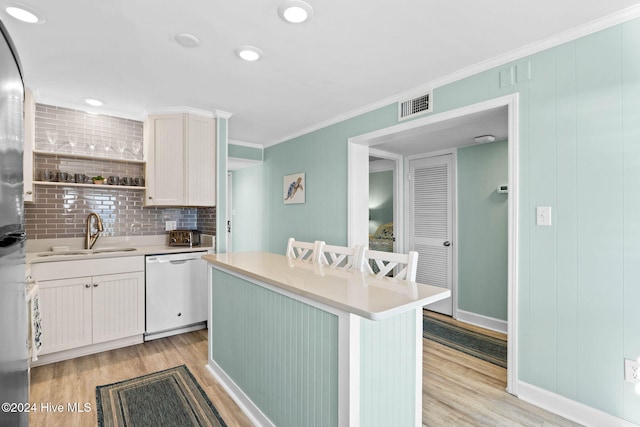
(503, 189)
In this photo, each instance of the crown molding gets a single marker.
(219, 114)
(572, 34)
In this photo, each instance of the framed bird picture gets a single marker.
(294, 188)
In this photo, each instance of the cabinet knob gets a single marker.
(88, 285)
(95, 285)
(150, 198)
(29, 193)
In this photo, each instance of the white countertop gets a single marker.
(144, 245)
(352, 291)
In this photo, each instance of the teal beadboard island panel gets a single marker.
(388, 395)
(281, 352)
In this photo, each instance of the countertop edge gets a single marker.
(374, 316)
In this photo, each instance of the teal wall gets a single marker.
(380, 199)
(579, 127)
(482, 229)
(244, 152)
(322, 155)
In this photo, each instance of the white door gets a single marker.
(431, 223)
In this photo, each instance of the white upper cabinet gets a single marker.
(181, 160)
(201, 161)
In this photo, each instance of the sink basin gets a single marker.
(58, 253)
(86, 252)
(104, 250)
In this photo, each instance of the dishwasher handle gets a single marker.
(161, 259)
(180, 261)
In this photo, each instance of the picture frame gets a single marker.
(294, 188)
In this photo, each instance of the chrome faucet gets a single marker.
(90, 239)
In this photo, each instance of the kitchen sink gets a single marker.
(86, 252)
(58, 253)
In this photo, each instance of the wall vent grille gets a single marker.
(415, 106)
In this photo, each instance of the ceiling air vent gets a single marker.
(415, 106)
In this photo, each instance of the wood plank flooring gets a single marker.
(458, 390)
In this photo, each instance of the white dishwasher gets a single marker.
(176, 294)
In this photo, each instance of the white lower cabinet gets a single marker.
(90, 313)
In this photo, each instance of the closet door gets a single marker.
(431, 223)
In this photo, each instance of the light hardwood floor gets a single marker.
(458, 390)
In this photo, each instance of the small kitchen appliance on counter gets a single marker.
(188, 238)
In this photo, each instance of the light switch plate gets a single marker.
(170, 225)
(543, 215)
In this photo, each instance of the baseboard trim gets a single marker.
(482, 321)
(567, 408)
(242, 400)
(59, 356)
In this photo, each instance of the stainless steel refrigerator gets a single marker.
(14, 377)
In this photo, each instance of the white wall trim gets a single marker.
(245, 144)
(482, 321)
(570, 409)
(242, 400)
(349, 370)
(512, 240)
(180, 110)
(530, 49)
(220, 114)
(358, 198)
(384, 165)
(235, 163)
(358, 149)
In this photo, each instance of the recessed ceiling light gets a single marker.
(25, 14)
(484, 138)
(94, 102)
(187, 40)
(295, 11)
(249, 53)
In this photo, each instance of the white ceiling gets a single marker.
(349, 55)
(452, 133)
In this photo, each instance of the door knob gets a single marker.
(447, 243)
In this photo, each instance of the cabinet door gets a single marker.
(65, 307)
(118, 306)
(201, 161)
(166, 162)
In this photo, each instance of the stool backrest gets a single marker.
(340, 257)
(382, 263)
(304, 251)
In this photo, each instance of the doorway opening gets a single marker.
(411, 136)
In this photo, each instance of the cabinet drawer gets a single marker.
(86, 267)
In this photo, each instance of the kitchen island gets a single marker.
(297, 343)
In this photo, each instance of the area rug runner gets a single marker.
(167, 398)
(482, 346)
